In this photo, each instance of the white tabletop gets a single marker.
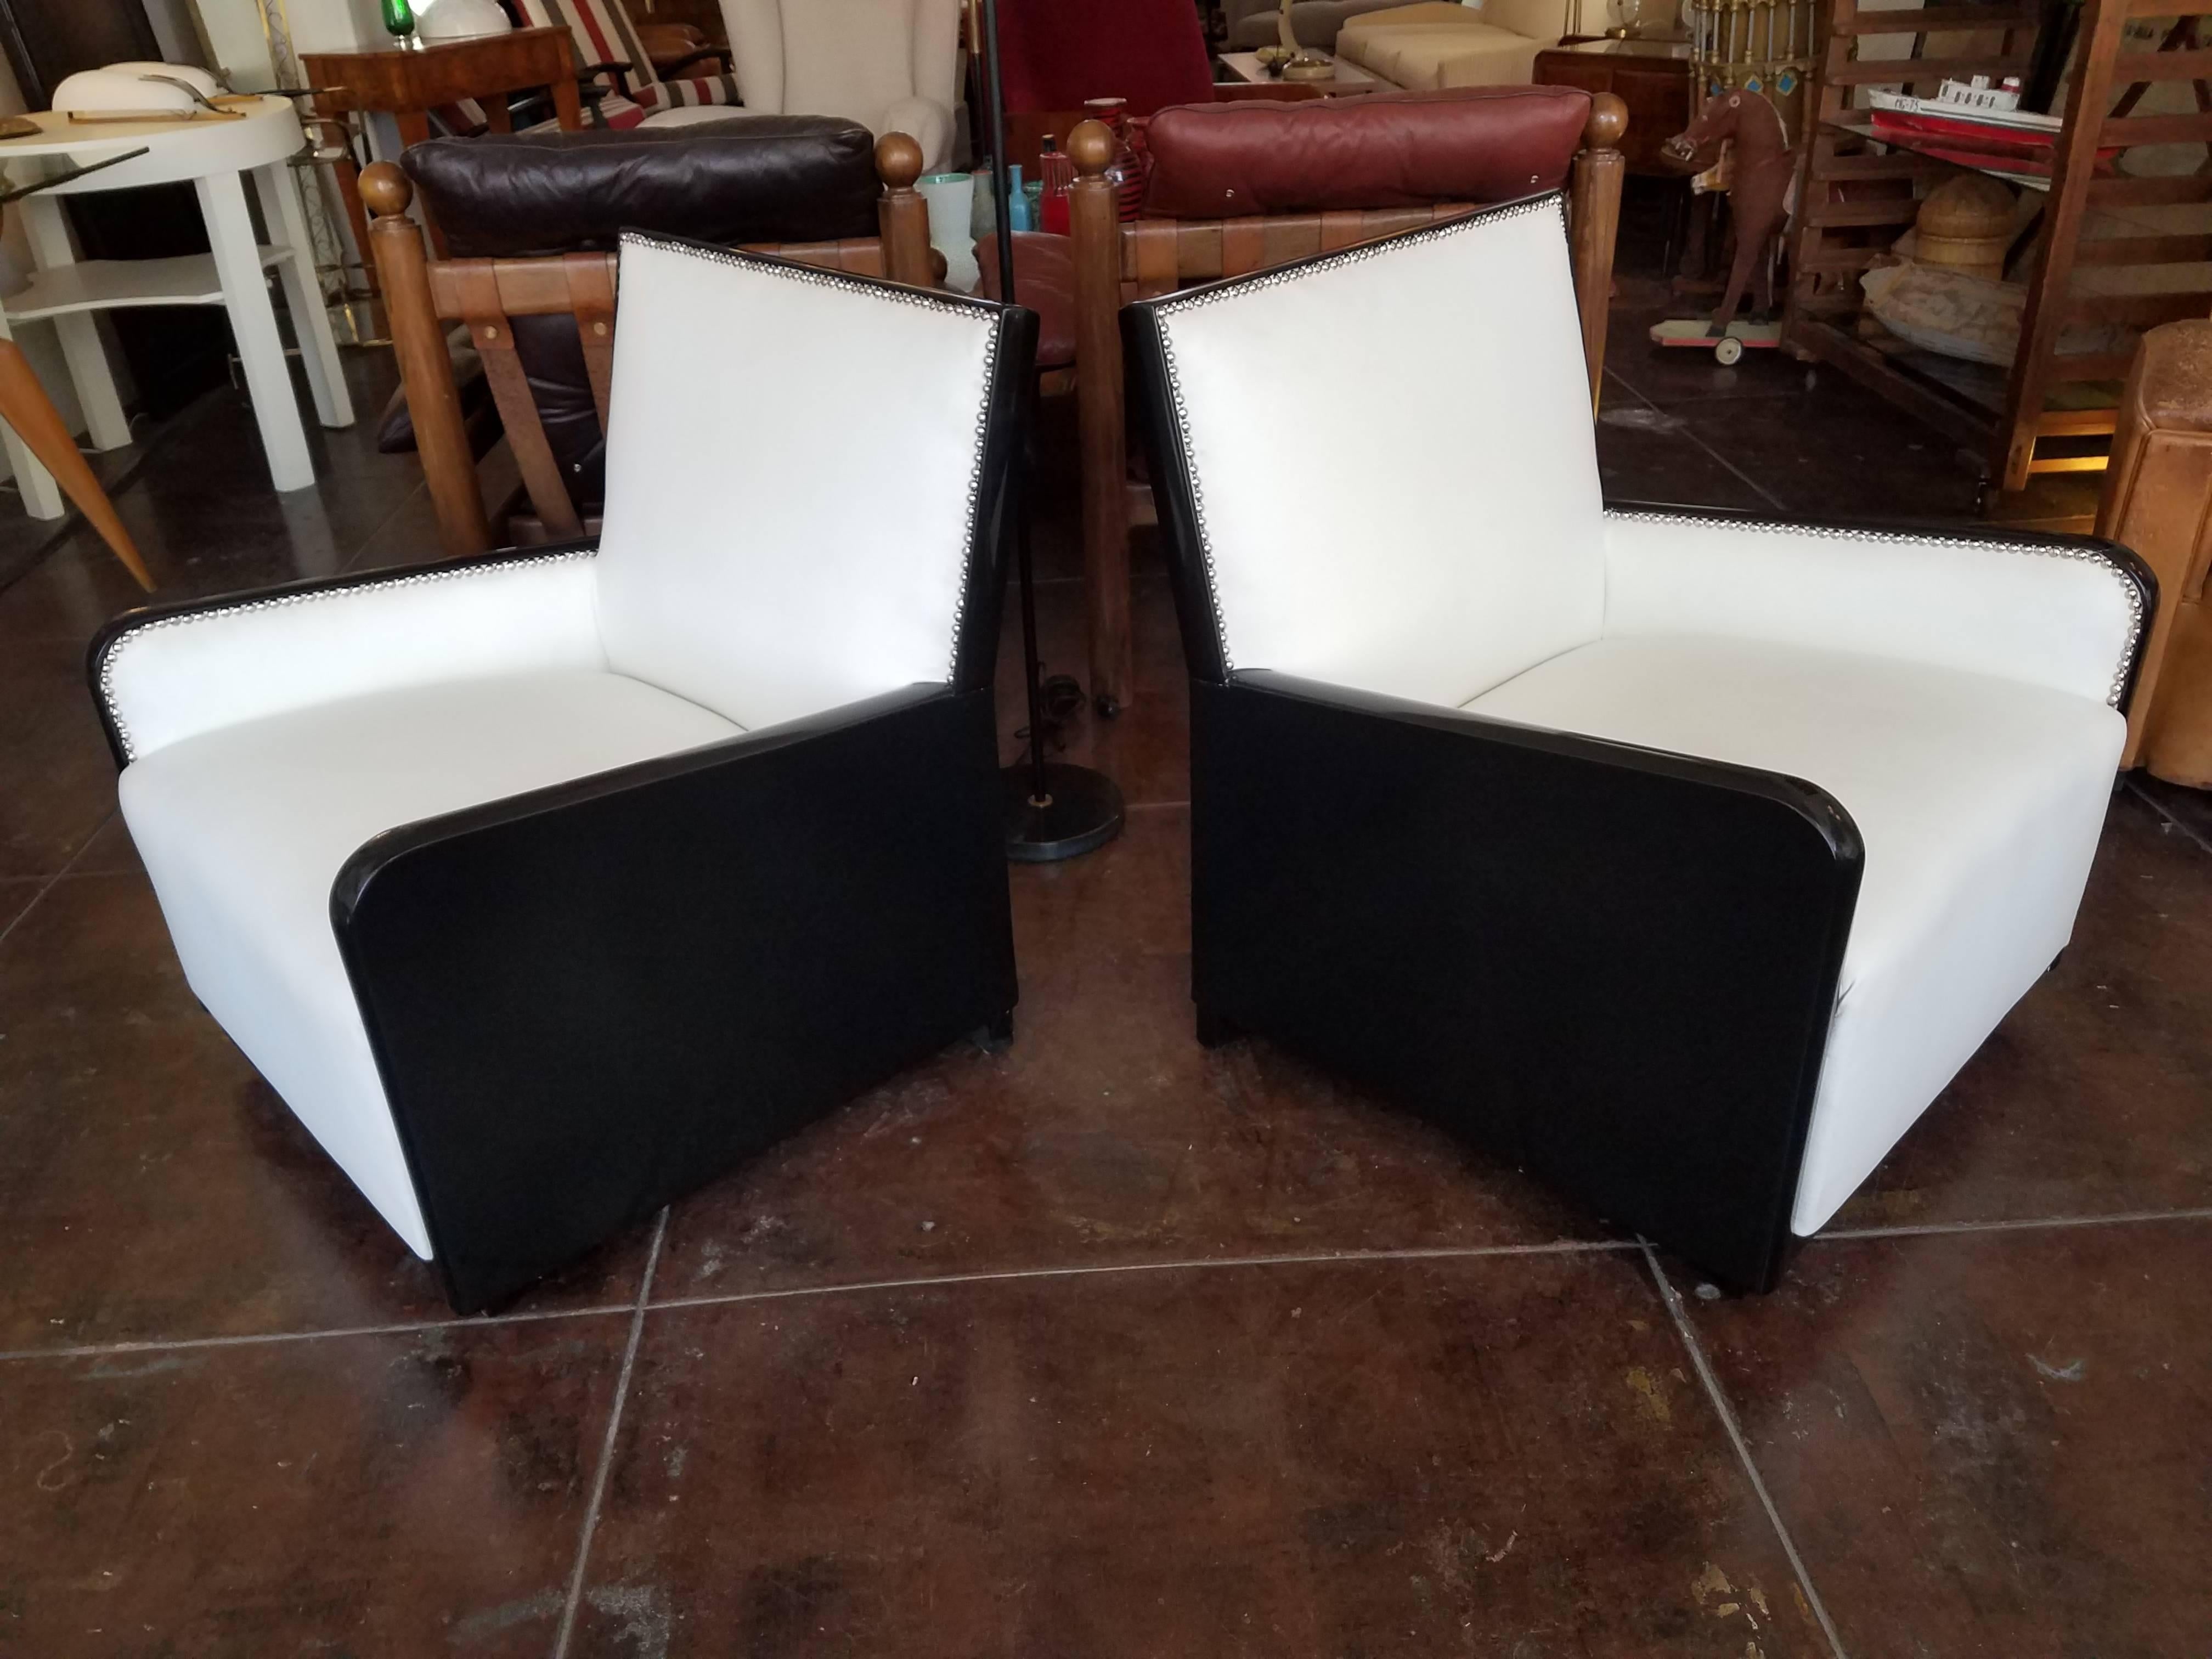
(1246, 67)
(267, 129)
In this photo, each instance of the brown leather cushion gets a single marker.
(748, 178)
(1044, 281)
(1228, 161)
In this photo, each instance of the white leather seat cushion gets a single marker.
(1487, 555)
(1979, 801)
(243, 829)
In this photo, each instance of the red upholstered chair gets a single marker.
(1058, 53)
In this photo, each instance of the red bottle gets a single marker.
(1056, 169)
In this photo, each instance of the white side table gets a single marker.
(216, 156)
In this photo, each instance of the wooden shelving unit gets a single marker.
(2054, 411)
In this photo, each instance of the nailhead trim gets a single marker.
(413, 578)
(791, 270)
(1554, 201)
(896, 293)
(1908, 539)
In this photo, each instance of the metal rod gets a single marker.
(1001, 189)
(1017, 495)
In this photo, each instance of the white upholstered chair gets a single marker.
(892, 65)
(1684, 856)
(543, 884)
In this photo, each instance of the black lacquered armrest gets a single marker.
(589, 999)
(1616, 964)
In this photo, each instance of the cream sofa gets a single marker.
(1441, 44)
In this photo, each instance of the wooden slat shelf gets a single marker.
(1936, 20)
(1906, 71)
(2053, 413)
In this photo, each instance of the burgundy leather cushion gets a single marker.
(1387, 150)
(1044, 281)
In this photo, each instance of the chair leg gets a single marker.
(26, 407)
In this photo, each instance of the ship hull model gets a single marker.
(1976, 126)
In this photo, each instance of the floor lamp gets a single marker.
(1055, 810)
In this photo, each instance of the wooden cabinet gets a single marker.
(1652, 78)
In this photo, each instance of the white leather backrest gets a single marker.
(1395, 459)
(2045, 613)
(230, 663)
(792, 459)
(848, 58)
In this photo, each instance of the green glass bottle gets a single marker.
(399, 22)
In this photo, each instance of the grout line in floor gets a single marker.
(2159, 807)
(2031, 1223)
(346, 564)
(927, 1281)
(1672, 1298)
(607, 1446)
(397, 1328)
(48, 885)
(602, 1310)
(1682, 429)
(1004, 1275)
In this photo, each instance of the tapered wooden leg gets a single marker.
(27, 409)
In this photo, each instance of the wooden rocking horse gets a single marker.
(1745, 133)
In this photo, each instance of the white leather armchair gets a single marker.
(543, 884)
(892, 65)
(1685, 857)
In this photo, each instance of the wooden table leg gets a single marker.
(33, 417)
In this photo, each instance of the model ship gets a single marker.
(1975, 124)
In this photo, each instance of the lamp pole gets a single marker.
(1054, 810)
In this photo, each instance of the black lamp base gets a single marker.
(1081, 812)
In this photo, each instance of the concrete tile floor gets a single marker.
(1107, 1345)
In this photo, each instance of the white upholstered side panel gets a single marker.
(1979, 801)
(790, 462)
(202, 672)
(2020, 613)
(1395, 459)
(243, 830)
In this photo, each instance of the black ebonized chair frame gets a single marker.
(1614, 965)
(587, 1000)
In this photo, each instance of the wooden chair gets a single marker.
(426, 296)
(1145, 258)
